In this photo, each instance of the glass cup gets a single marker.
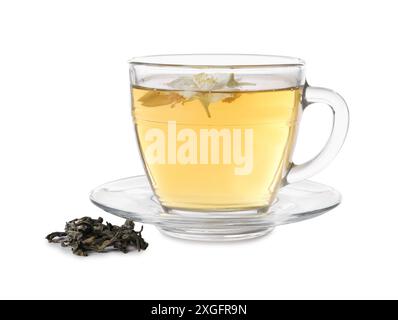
(216, 132)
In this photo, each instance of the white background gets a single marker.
(65, 128)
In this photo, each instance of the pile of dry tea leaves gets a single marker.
(86, 234)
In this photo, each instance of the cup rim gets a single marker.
(204, 60)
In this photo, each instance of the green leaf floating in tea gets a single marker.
(160, 98)
(203, 87)
(233, 83)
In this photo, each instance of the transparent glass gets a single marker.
(217, 132)
(132, 198)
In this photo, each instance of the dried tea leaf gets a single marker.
(85, 235)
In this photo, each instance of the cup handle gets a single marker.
(336, 139)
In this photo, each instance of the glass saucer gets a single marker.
(132, 198)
